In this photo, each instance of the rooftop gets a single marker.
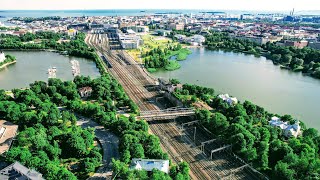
(8, 131)
(149, 164)
(18, 171)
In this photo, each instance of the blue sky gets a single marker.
(276, 5)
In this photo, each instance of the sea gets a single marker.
(126, 12)
(8, 14)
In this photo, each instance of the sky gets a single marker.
(268, 5)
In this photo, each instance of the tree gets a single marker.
(137, 151)
(282, 171)
(126, 156)
(159, 175)
(276, 57)
(89, 166)
(286, 59)
(239, 142)
(218, 123)
(250, 108)
(310, 132)
(250, 154)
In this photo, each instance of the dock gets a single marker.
(75, 66)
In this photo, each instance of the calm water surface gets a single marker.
(33, 66)
(255, 79)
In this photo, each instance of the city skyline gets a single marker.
(270, 5)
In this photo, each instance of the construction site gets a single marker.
(181, 136)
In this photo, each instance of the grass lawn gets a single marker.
(182, 54)
(152, 70)
(173, 65)
(150, 42)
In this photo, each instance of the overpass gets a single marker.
(166, 113)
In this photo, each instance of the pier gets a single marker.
(75, 66)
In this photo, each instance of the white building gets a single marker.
(195, 40)
(130, 41)
(228, 99)
(199, 39)
(2, 56)
(85, 92)
(288, 129)
(150, 164)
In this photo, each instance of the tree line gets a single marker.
(305, 59)
(32, 19)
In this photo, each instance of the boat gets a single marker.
(52, 72)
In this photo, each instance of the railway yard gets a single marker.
(180, 143)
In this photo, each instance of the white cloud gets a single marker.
(163, 4)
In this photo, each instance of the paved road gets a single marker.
(109, 143)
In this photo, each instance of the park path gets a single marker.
(109, 143)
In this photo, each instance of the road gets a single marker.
(109, 143)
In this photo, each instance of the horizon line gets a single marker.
(147, 9)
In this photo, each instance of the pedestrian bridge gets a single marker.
(166, 113)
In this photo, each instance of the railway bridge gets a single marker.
(166, 113)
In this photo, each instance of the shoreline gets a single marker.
(46, 50)
(7, 64)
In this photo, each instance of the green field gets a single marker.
(150, 42)
(182, 54)
(173, 65)
(151, 70)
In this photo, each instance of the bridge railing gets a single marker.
(170, 110)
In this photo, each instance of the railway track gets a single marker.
(132, 86)
(178, 145)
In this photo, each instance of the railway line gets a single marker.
(132, 86)
(176, 143)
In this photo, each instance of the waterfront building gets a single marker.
(228, 99)
(288, 130)
(2, 57)
(150, 164)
